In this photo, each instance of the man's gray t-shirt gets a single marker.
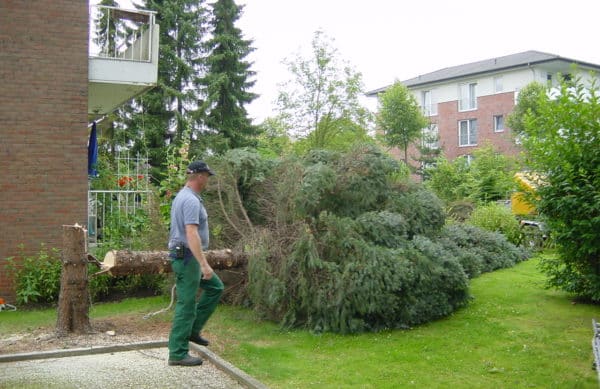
(187, 208)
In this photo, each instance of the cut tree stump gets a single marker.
(73, 300)
(126, 262)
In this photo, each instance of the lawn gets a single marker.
(514, 334)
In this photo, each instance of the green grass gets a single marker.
(514, 334)
(27, 320)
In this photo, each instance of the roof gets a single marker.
(491, 65)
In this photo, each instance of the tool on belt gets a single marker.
(181, 252)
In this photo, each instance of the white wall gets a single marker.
(512, 81)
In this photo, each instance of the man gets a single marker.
(187, 241)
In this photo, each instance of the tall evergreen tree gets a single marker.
(228, 81)
(163, 115)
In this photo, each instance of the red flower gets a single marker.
(124, 181)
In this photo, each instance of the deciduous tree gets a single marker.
(400, 117)
(322, 98)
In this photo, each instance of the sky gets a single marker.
(388, 40)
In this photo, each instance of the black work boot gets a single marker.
(199, 340)
(187, 361)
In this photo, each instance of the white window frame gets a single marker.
(498, 81)
(496, 129)
(470, 100)
(428, 104)
(433, 129)
(469, 129)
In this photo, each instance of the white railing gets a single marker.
(119, 203)
(121, 34)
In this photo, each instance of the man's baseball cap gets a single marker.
(198, 167)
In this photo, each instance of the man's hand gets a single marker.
(195, 243)
(207, 272)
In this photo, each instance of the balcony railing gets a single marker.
(121, 34)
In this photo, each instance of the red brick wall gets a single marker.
(43, 124)
(487, 107)
(447, 120)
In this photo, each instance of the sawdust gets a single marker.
(126, 329)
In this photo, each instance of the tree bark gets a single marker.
(126, 262)
(73, 300)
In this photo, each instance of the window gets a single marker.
(467, 97)
(428, 104)
(469, 158)
(498, 123)
(498, 84)
(467, 132)
(431, 137)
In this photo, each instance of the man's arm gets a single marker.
(195, 243)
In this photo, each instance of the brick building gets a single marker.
(44, 114)
(43, 121)
(467, 105)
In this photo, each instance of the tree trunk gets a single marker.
(126, 262)
(73, 300)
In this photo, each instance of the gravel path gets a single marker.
(128, 369)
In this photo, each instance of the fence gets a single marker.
(119, 207)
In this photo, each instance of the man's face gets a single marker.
(202, 179)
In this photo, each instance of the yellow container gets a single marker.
(518, 200)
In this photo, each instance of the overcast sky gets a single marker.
(394, 39)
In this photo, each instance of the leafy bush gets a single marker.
(493, 174)
(451, 181)
(497, 218)
(488, 178)
(561, 137)
(37, 278)
(460, 210)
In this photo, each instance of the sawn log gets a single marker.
(126, 262)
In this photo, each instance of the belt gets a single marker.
(187, 254)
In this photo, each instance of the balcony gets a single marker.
(123, 56)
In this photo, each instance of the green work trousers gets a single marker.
(190, 316)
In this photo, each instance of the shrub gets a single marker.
(561, 138)
(383, 228)
(37, 278)
(460, 210)
(488, 178)
(335, 279)
(480, 251)
(451, 181)
(422, 209)
(497, 218)
(493, 174)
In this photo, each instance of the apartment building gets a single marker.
(467, 105)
